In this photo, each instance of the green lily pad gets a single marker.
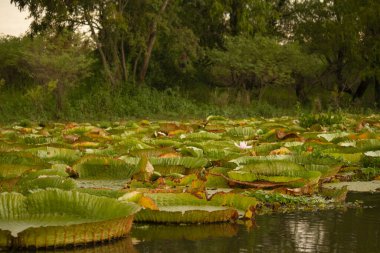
(57, 155)
(59, 218)
(92, 167)
(370, 186)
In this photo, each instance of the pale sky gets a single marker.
(12, 21)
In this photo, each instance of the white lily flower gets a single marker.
(243, 145)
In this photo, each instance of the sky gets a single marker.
(12, 21)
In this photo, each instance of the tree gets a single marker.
(13, 71)
(151, 41)
(331, 28)
(116, 27)
(369, 16)
(61, 61)
(255, 63)
(212, 20)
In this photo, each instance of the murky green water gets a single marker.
(327, 231)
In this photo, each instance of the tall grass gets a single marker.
(95, 103)
(132, 102)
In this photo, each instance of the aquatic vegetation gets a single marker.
(200, 171)
(97, 167)
(243, 145)
(188, 208)
(53, 218)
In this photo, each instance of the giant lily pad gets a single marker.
(179, 165)
(92, 167)
(56, 154)
(275, 171)
(59, 218)
(370, 186)
(186, 208)
(13, 164)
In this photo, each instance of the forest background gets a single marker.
(112, 59)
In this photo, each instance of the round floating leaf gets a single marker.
(185, 208)
(43, 179)
(271, 168)
(275, 171)
(14, 164)
(348, 158)
(245, 160)
(187, 162)
(214, 154)
(188, 214)
(266, 148)
(214, 181)
(372, 153)
(331, 136)
(368, 145)
(238, 201)
(241, 133)
(325, 170)
(132, 144)
(191, 151)
(57, 155)
(58, 218)
(202, 135)
(213, 118)
(92, 167)
(371, 186)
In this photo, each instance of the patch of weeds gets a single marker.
(307, 120)
(369, 173)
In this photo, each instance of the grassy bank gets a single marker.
(83, 104)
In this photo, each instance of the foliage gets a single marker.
(56, 212)
(283, 199)
(322, 119)
(211, 53)
(104, 168)
(57, 62)
(174, 171)
(255, 63)
(181, 60)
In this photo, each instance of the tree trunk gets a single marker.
(342, 85)
(362, 88)
(103, 57)
(59, 95)
(118, 72)
(261, 91)
(300, 92)
(377, 92)
(123, 61)
(151, 41)
(135, 64)
(234, 17)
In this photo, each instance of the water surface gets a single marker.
(326, 231)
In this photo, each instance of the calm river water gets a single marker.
(326, 231)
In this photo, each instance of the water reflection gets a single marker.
(307, 236)
(125, 245)
(184, 232)
(326, 231)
